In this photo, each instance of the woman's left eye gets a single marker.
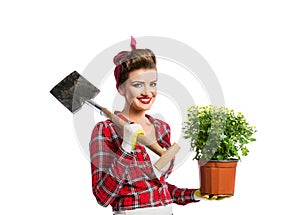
(153, 84)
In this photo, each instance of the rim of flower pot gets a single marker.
(203, 162)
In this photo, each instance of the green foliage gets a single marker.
(217, 133)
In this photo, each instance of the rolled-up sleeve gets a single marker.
(181, 196)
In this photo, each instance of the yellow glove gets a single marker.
(199, 196)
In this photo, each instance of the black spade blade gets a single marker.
(73, 91)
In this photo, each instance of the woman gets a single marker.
(123, 175)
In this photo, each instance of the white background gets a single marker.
(252, 46)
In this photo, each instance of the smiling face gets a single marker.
(139, 90)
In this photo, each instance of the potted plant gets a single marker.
(219, 137)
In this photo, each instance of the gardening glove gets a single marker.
(199, 196)
(131, 132)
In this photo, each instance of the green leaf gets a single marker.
(220, 157)
(245, 151)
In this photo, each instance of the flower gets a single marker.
(218, 133)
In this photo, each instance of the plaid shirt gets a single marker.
(127, 181)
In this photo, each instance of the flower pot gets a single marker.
(217, 177)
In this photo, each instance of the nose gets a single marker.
(147, 90)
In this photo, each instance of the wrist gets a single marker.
(127, 147)
(199, 196)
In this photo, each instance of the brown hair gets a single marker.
(128, 61)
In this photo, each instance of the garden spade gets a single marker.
(74, 91)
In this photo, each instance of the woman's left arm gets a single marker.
(181, 196)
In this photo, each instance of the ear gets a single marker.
(121, 90)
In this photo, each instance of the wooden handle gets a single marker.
(113, 117)
(167, 156)
(152, 145)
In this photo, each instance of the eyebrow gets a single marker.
(133, 81)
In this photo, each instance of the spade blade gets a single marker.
(73, 91)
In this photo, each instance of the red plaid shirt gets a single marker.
(127, 181)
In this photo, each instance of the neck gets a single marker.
(134, 115)
(139, 118)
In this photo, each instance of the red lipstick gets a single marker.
(145, 100)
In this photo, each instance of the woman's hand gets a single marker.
(199, 196)
(131, 132)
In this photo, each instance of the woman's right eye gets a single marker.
(138, 85)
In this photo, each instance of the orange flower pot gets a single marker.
(217, 177)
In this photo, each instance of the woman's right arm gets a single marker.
(109, 163)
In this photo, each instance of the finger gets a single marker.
(205, 196)
(213, 197)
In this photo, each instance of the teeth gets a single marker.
(145, 99)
